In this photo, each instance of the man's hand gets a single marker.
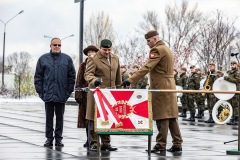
(97, 83)
(125, 83)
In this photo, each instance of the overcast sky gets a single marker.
(60, 18)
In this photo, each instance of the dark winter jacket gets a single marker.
(54, 77)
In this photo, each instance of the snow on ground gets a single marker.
(32, 99)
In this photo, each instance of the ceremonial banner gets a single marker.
(123, 111)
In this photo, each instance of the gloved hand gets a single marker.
(125, 83)
(79, 100)
(97, 83)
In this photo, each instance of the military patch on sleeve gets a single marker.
(152, 55)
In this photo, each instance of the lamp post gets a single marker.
(4, 37)
(81, 30)
(61, 38)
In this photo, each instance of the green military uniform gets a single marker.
(183, 83)
(193, 84)
(141, 84)
(200, 99)
(234, 77)
(177, 79)
(124, 76)
(211, 99)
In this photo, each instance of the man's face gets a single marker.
(56, 46)
(106, 52)
(91, 53)
(192, 69)
(211, 67)
(123, 70)
(233, 65)
(151, 42)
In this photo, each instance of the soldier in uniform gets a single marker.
(142, 83)
(219, 74)
(102, 70)
(183, 82)
(176, 77)
(211, 99)
(200, 98)
(124, 74)
(234, 77)
(164, 105)
(193, 84)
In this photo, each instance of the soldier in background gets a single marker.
(124, 74)
(211, 99)
(193, 84)
(219, 74)
(176, 77)
(183, 83)
(142, 83)
(234, 77)
(200, 98)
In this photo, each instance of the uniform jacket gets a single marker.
(193, 81)
(183, 80)
(212, 78)
(99, 67)
(160, 65)
(81, 83)
(54, 77)
(141, 84)
(234, 77)
(177, 79)
(124, 76)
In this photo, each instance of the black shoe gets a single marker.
(210, 120)
(85, 144)
(199, 116)
(93, 148)
(175, 149)
(59, 144)
(108, 148)
(192, 119)
(48, 143)
(156, 149)
(184, 115)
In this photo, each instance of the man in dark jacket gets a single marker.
(54, 82)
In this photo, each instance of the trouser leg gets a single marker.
(175, 132)
(59, 112)
(49, 112)
(162, 126)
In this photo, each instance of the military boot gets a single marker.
(183, 114)
(210, 119)
(200, 114)
(232, 121)
(192, 117)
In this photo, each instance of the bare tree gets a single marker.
(181, 31)
(132, 50)
(97, 28)
(19, 62)
(214, 42)
(150, 21)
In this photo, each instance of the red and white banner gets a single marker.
(122, 109)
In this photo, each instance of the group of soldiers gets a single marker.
(196, 80)
(142, 83)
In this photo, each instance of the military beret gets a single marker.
(234, 62)
(90, 48)
(151, 33)
(106, 43)
(192, 66)
(183, 68)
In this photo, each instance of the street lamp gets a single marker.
(61, 38)
(4, 37)
(81, 30)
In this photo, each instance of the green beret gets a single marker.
(106, 43)
(192, 66)
(151, 33)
